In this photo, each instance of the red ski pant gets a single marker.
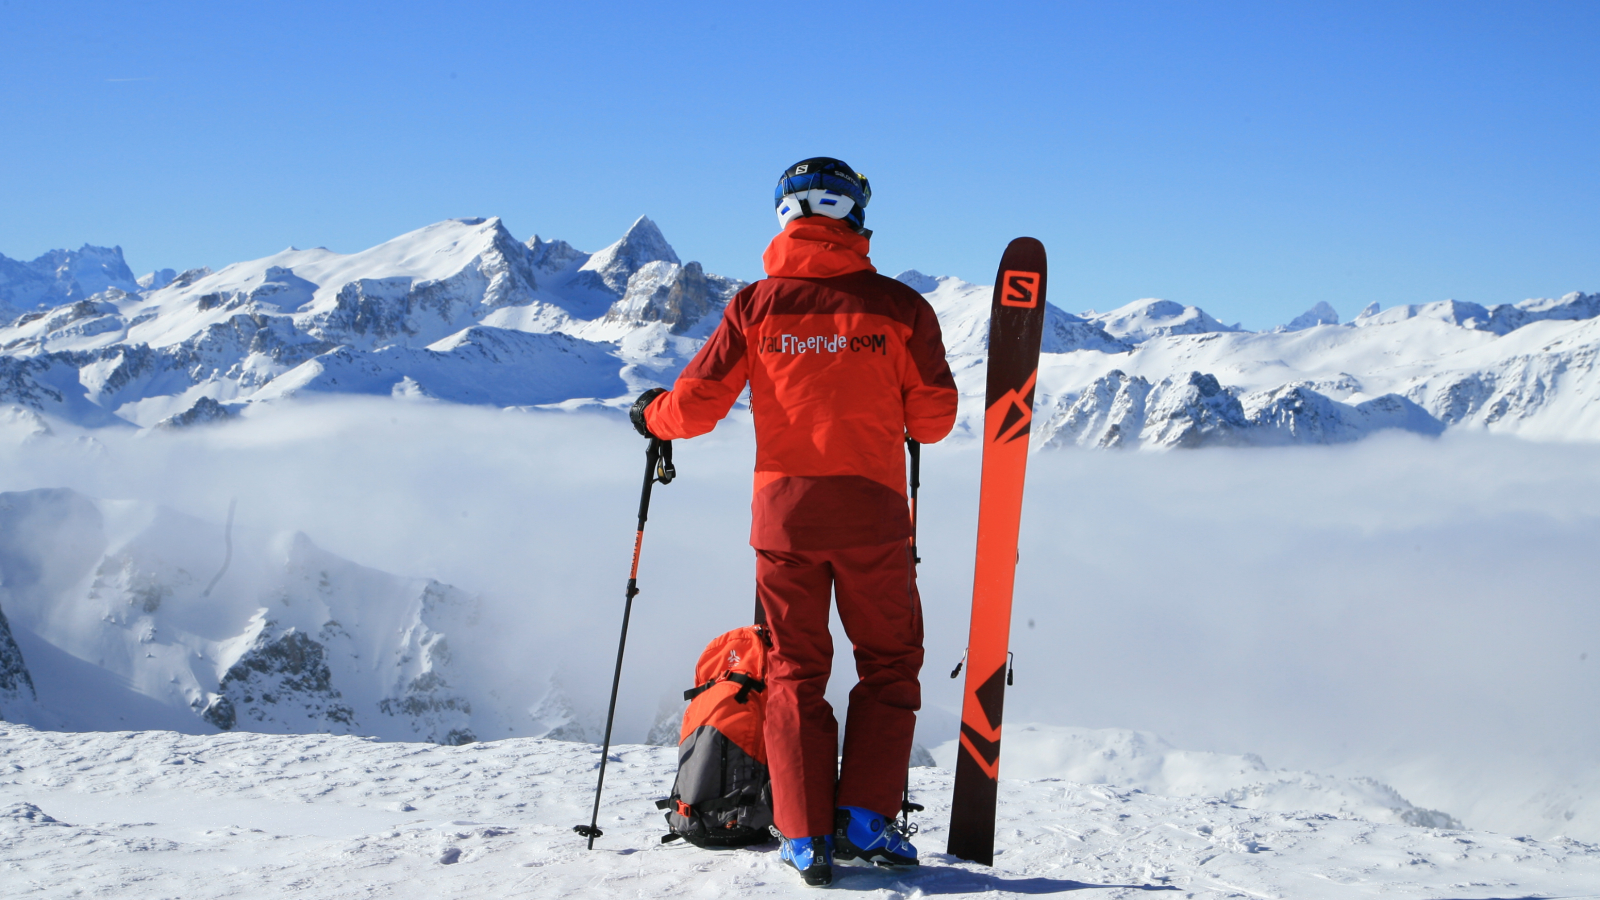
(881, 612)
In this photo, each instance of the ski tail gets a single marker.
(1016, 327)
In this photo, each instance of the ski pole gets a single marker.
(657, 467)
(915, 449)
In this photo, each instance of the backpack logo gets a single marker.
(1019, 289)
(733, 658)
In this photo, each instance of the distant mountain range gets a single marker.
(461, 311)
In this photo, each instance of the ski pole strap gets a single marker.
(665, 471)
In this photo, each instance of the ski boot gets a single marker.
(865, 835)
(812, 857)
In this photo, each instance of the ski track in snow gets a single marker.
(159, 814)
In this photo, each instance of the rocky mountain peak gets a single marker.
(1321, 314)
(922, 284)
(642, 244)
(62, 276)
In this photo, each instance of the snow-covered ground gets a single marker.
(157, 814)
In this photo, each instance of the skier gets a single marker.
(843, 365)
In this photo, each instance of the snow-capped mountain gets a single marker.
(458, 311)
(462, 312)
(1144, 319)
(1158, 374)
(64, 276)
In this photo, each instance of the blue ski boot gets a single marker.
(863, 834)
(812, 857)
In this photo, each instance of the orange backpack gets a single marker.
(723, 795)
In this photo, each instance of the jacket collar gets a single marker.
(817, 247)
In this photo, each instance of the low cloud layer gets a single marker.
(1423, 611)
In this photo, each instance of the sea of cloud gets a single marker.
(1420, 610)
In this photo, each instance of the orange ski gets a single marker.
(1016, 324)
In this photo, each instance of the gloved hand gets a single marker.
(636, 414)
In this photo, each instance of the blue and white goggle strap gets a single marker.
(821, 193)
(816, 202)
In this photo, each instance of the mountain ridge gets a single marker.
(460, 311)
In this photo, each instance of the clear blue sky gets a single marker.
(1252, 158)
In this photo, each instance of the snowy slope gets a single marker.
(157, 814)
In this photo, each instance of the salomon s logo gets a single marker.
(1020, 289)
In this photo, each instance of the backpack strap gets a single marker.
(745, 682)
(746, 685)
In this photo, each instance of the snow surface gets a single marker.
(158, 814)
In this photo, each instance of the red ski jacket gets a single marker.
(843, 364)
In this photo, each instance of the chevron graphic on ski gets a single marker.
(1016, 325)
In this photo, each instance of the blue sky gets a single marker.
(1251, 158)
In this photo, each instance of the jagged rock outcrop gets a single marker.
(204, 412)
(1193, 411)
(16, 685)
(676, 296)
(1109, 414)
(281, 683)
